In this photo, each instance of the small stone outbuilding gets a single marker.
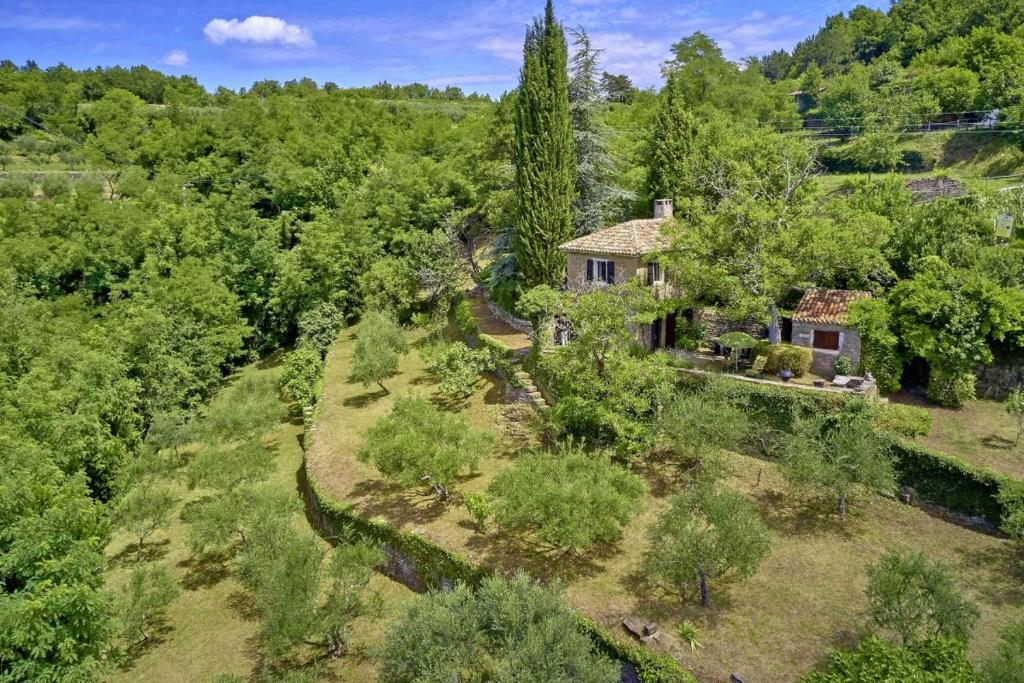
(820, 322)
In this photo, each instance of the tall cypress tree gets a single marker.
(543, 154)
(670, 147)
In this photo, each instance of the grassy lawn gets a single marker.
(211, 628)
(965, 156)
(981, 433)
(807, 597)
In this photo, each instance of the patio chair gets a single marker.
(758, 367)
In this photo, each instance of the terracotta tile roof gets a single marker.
(826, 306)
(632, 238)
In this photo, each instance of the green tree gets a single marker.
(348, 571)
(918, 598)
(596, 190)
(838, 454)
(171, 429)
(56, 185)
(569, 500)
(699, 426)
(543, 154)
(143, 510)
(456, 367)
(672, 143)
(247, 409)
(379, 344)
(617, 87)
(706, 534)
(148, 591)
(390, 285)
(508, 628)
(417, 444)
(56, 618)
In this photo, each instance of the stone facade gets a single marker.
(823, 361)
(626, 267)
(997, 381)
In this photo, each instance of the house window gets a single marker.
(653, 272)
(825, 340)
(600, 270)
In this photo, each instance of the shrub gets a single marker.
(56, 185)
(689, 634)
(1012, 498)
(843, 365)
(939, 660)
(456, 367)
(903, 420)
(89, 187)
(464, 320)
(480, 509)
(319, 326)
(300, 378)
(951, 388)
(787, 356)
(1007, 664)
(16, 186)
(390, 284)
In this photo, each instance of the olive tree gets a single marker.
(918, 598)
(706, 534)
(379, 344)
(508, 629)
(143, 599)
(838, 454)
(569, 500)
(144, 509)
(417, 444)
(699, 426)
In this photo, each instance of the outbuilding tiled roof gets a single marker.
(632, 238)
(826, 306)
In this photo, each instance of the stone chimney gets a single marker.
(663, 208)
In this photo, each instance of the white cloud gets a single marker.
(257, 29)
(471, 79)
(175, 58)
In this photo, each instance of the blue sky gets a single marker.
(473, 44)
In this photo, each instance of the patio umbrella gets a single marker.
(735, 342)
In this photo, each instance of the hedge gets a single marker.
(778, 406)
(436, 565)
(464, 320)
(939, 478)
(949, 481)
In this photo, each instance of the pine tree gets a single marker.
(670, 146)
(596, 191)
(543, 154)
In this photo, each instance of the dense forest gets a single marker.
(155, 236)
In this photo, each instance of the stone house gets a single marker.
(615, 255)
(819, 322)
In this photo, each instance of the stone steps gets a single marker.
(523, 378)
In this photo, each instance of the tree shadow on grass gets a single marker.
(243, 604)
(151, 551)
(1005, 566)
(663, 478)
(999, 443)
(396, 504)
(669, 606)
(507, 552)
(363, 400)
(159, 631)
(204, 571)
(790, 515)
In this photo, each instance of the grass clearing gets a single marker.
(806, 598)
(982, 433)
(211, 627)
